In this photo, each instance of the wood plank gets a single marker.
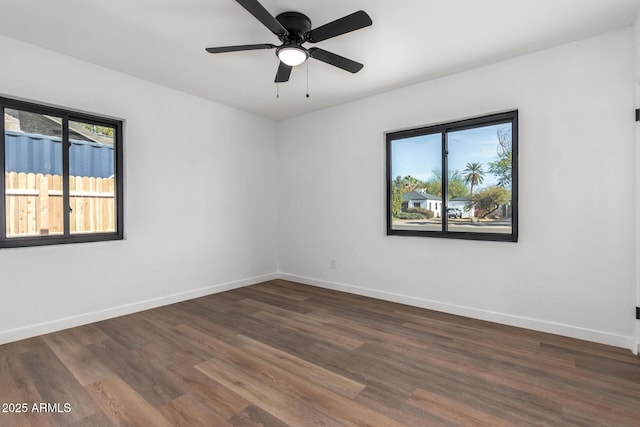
(281, 292)
(86, 205)
(282, 405)
(56, 384)
(77, 358)
(516, 369)
(314, 373)
(455, 411)
(330, 335)
(16, 386)
(12, 205)
(267, 298)
(147, 379)
(32, 206)
(95, 420)
(93, 226)
(411, 416)
(43, 222)
(253, 416)
(528, 351)
(125, 331)
(55, 184)
(167, 355)
(88, 334)
(221, 401)
(187, 411)
(372, 333)
(99, 207)
(284, 381)
(123, 405)
(23, 225)
(73, 205)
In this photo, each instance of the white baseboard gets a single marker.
(491, 316)
(11, 335)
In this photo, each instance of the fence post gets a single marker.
(43, 196)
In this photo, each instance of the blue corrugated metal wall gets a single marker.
(26, 152)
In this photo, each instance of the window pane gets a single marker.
(33, 174)
(479, 188)
(91, 178)
(416, 186)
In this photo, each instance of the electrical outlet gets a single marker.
(332, 263)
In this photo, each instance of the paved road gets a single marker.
(459, 225)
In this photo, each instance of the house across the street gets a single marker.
(419, 198)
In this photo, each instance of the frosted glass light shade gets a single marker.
(292, 56)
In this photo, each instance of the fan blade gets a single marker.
(239, 48)
(284, 71)
(344, 25)
(261, 14)
(335, 60)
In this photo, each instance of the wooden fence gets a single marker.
(34, 204)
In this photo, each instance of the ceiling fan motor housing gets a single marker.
(297, 24)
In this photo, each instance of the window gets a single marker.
(62, 176)
(468, 165)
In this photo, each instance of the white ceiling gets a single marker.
(163, 41)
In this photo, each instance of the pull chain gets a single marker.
(307, 78)
(277, 90)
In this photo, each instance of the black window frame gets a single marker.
(444, 129)
(67, 115)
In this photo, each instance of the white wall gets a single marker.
(200, 200)
(573, 270)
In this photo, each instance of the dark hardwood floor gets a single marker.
(281, 353)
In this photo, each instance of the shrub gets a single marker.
(488, 200)
(396, 201)
(426, 212)
(409, 215)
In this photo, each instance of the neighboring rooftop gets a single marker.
(418, 194)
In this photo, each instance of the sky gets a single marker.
(419, 156)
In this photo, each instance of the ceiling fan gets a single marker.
(294, 29)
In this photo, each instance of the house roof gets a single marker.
(50, 126)
(460, 199)
(418, 195)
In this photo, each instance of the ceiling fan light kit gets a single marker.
(292, 55)
(294, 29)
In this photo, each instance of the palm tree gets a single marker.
(473, 175)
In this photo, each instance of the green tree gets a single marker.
(99, 130)
(473, 175)
(502, 167)
(400, 186)
(396, 201)
(456, 185)
(434, 186)
(488, 200)
(407, 183)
